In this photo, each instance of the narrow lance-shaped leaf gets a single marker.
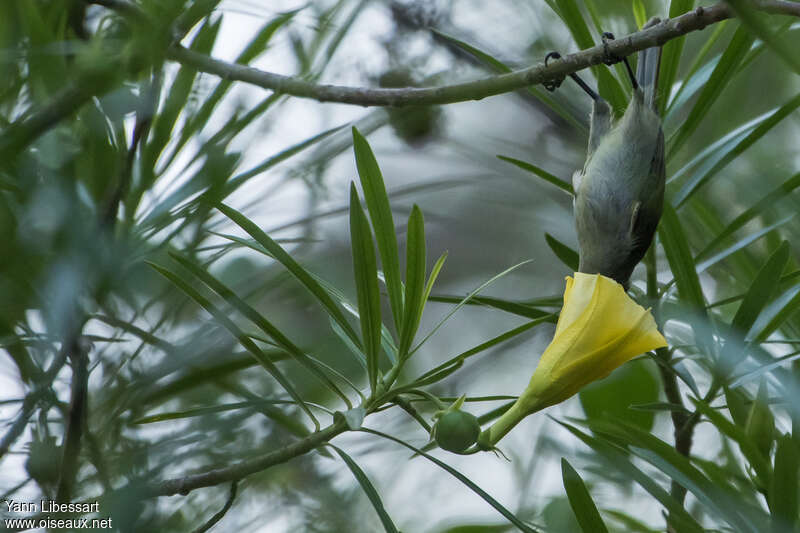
(741, 244)
(783, 493)
(737, 223)
(607, 84)
(495, 65)
(581, 501)
(671, 55)
(437, 267)
(177, 96)
(243, 339)
(722, 75)
(760, 292)
(381, 215)
(567, 255)
(293, 267)
(464, 301)
(776, 314)
(681, 263)
(718, 497)
(259, 320)
(366, 275)
(754, 21)
(462, 478)
(415, 280)
(546, 176)
(682, 520)
(238, 180)
(369, 490)
(460, 358)
(256, 46)
(737, 434)
(639, 13)
(729, 155)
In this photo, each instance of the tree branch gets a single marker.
(219, 515)
(186, 484)
(75, 423)
(40, 390)
(478, 89)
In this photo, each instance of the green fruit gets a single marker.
(44, 460)
(455, 430)
(414, 124)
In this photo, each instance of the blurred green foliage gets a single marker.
(276, 312)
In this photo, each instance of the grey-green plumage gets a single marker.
(619, 194)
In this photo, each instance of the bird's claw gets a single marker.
(552, 85)
(608, 57)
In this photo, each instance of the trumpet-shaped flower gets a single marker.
(600, 327)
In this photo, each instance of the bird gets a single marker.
(619, 192)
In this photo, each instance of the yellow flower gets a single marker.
(600, 327)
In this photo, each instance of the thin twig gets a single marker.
(474, 90)
(186, 484)
(221, 513)
(73, 432)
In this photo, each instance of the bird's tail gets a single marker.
(647, 68)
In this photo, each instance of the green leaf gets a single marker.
(768, 201)
(760, 292)
(464, 302)
(567, 255)
(741, 244)
(699, 179)
(177, 97)
(635, 382)
(257, 45)
(681, 262)
(243, 339)
(682, 520)
(639, 13)
(382, 223)
(496, 65)
(304, 277)
(762, 369)
(437, 267)
(737, 434)
(607, 85)
(355, 350)
(671, 55)
(715, 151)
(365, 270)
(722, 75)
(546, 176)
(581, 501)
(460, 358)
(273, 160)
(773, 317)
(737, 403)
(263, 324)
(693, 83)
(783, 492)
(415, 281)
(756, 24)
(199, 411)
(369, 490)
(514, 307)
(722, 501)
(462, 478)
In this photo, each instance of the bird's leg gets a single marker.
(553, 85)
(611, 59)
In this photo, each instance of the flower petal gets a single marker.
(600, 328)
